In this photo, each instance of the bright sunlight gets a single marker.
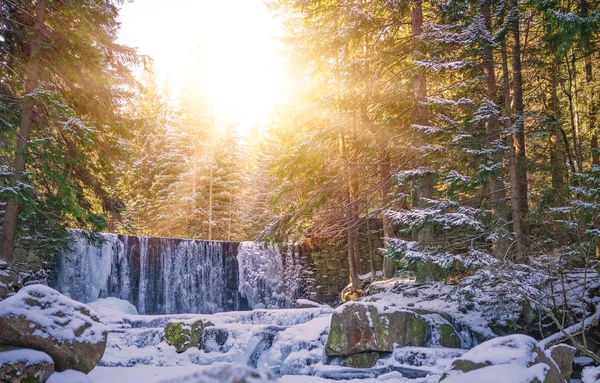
(244, 78)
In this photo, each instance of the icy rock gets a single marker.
(436, 358)
(267, 337)
(226, 373)
(362, 327)
(23, 365)
(215, 339)
(307, 304)
(563, 355)
(503, 358)
(298, 349)
(443, 332)
(144, 337)
(185, 334)
(41, 318)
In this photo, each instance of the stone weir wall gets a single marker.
(169, 275)
(328, 258)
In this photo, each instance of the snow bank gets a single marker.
(69, 376)
(590, 375)
(111, 306)
(226, 373)
(505, 373)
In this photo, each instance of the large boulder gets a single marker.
(503, 360)
(183, 334)
(358, 327)
(563, 355)
(25, 366)
(41, 318)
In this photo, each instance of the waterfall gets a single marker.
(267, 278)
(173, 276)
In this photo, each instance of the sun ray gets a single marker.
(244, 75)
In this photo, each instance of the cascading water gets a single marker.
(172, 276)
(268, 277)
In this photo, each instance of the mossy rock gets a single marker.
(448, 336)
(358, 327)
(185, 334)
(362, 360)
(25, 366)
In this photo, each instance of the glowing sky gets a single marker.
(245, 75)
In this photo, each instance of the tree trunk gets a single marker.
(425, 189)
(498, 193)
(351, 233)
(557, 152)
(389, 268)
(11, 214)
(210, 202)
(518, 115)
(371, 251)
(573, 111)
(514, 190)
(591, 101)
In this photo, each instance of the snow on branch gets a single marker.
(410, 252)
(416, 173)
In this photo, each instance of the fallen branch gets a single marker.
(568, 333)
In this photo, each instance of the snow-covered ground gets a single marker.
(289, 343)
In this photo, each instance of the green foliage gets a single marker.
(83, 81)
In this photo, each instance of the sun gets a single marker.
(245, 78)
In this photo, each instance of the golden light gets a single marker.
(244, 75)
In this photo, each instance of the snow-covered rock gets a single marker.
(9, 282)
(23, 365)
(41, 318)
(358, 327)
(513, 358)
